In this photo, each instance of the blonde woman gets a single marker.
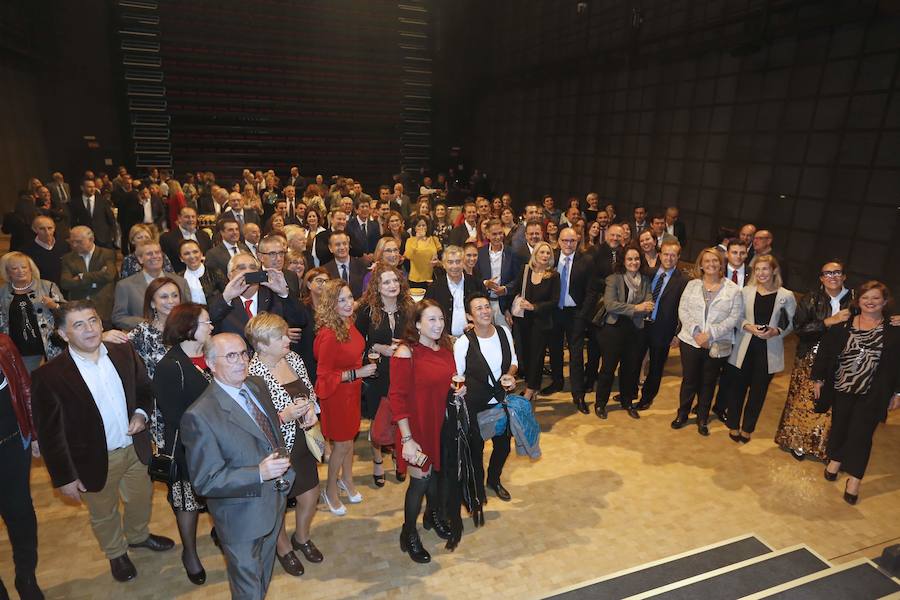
(711, 307)
(138, 235)
(540, 295)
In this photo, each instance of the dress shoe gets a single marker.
(632, 412)
(580, 404)
(679, 422)
(355, 498)
(501, 491)
(829, 476)
(643, 406)
(600, 411)
(412, 545)
(735, 437)
(28, 588)
(122, 568)
(308, 549)
(798, 455)
(617, 398)
(745, 440)
(555, 386)
(720, 415)
(849, 498)
(339, 511)
(291, 564)
(703, 429)
(431, 520)
(157, 543)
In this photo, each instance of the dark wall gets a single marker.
(785, 114)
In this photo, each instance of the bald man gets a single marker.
(45, 250)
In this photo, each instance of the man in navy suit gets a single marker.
(364, 231)
(498, 265)
(666, 286)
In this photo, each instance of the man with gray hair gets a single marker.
(128, 307)
(89, 272)
(451, 288)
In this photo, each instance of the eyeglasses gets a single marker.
(832, 273)
(319, 280)
(204, 322)
(274, 254)
(234, 358)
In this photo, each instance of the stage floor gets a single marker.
(606, 495)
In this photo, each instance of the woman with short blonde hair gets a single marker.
(139, 234)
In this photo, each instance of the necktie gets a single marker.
(344, 274)
(657, 289)
(613, 258)
(232, 250)
(261, 420)
(366, 231)
(240, 218)
(734, 275)
(89, 205)
(564, 283)
(247, 304)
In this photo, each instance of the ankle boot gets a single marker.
(412, 545)
(431, 519)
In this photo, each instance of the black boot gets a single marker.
(432, 518)
(409, 536)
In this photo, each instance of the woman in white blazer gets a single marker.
(710, 309)
(759, 346)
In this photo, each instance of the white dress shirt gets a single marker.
(473, 230)
(88, 204)
(87, 259)
(148, 210)
(564, 293)
(740, 274)
(188, 235)
(254, 303)
(458, 310)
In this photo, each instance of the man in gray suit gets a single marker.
(89, 272)
(128, 307)
(230, 434)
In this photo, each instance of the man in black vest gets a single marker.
(487, 358)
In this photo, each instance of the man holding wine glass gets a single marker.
(232, 440)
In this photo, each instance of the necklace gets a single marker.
(22, 289)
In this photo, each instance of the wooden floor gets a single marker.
(606, 495)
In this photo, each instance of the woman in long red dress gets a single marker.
(338, 349)
(422, 370)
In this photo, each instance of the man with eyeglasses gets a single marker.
(762, 246)
(232, 442)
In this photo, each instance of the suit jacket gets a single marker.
(128, 305)
(403, 206)
(364, 242)
(323, 253)
(217, 258)
(680, 232)
(102, 223)
(747, 272)
(129, 209)
(68, 422)
(230, 317)
(615, 298)
(56, 197)
(356, 275)
(97, 283)
(439, 291)
(250, 216)
(509, 273)
(603, 258)
(663, 328)
(582, 271)
(458, 236)
(172, 238)
(224, 447)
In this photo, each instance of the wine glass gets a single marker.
(282, 484)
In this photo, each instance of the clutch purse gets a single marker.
(315, 441)
(163, 467)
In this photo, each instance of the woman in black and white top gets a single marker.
(857, 373)
(710, 309)
(759, 346)
(295, 400)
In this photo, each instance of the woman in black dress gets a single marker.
(295, 400)
(857, 374)
(381, 319)
(180, 377)
(540, 295)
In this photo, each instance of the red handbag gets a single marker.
(383, 429)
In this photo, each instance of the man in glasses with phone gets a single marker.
(235, 454)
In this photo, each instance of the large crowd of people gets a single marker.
(233, 337)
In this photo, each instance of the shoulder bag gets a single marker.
(517, 310)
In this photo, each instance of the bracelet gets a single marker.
(405, 439)
(353, 375)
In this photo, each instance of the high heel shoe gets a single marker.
(355, 498)
(378, 479)
(340, 511)
(431, 520)
(401, 477)
(849, 498)
(735, 437)
(198, 578)
(829, 476)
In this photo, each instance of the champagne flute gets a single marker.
(282, 484)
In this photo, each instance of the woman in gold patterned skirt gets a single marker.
(802, 431)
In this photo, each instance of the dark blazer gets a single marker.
(128, 299)
(439, 291)
(69, 426)
(603, 258)
(232, 318)
(213, 282)
(250, 216)
(218, 257)
(365, 242)
(176, 384)
(663, 329)
(171, 239)
(510, 270)
(458, 235)
(102, 223)
(680, 232)
(615, 299)
(320, 243)
(97, 283)
(580, 276)
(357, 273)
(545, 298)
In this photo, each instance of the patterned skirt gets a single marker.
(182, 497)
(801, 429)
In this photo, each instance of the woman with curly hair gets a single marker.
(381, 319)
(338, 349)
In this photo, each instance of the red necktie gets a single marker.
(247, 304)
(734, 275)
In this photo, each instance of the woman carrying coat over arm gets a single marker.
(759, 346)
(628, 301)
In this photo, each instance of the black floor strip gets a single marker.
(862, 582)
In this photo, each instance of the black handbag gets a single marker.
(163, 467)
(783, 321)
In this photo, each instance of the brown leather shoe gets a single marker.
(308, 549)
(291, 564)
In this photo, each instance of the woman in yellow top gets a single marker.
(422, 251)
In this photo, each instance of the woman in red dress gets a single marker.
(422, 370)
(338, 349)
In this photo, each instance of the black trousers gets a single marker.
(520, 343)
(568, 328)
(753, 376)
(658, 357)
(499, 454)
(534, 346)
(854, 418)
(620, 346)
(592, 366)
(16, 507)
(699, 374)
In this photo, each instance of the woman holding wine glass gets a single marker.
(294, 398)
(338, 348)
(381, 319)
(422, 369)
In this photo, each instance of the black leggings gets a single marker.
(699, 374)
(620, 346)
(16, 507)
(753, 375)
